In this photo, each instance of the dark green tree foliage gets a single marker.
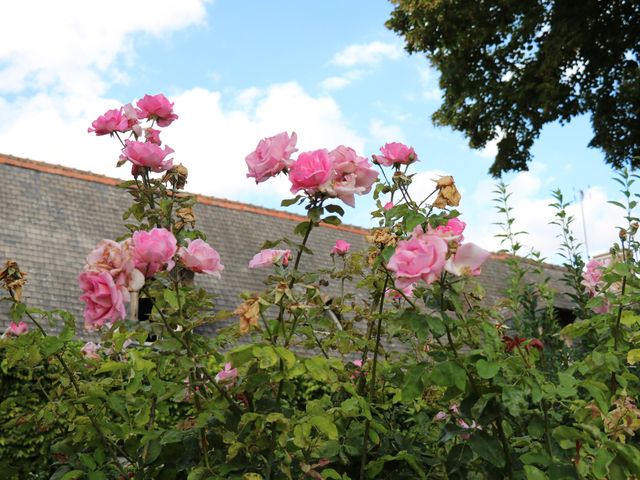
(509, 67)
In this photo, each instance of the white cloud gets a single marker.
(73, 45)
(491, 148)
(382, 132)
(429, 84)
(339, 82)
(367, 54)
(530, 201)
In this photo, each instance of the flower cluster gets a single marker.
(594, 284)
(147, 154)
(426, 254)
(114, 269)
(339, 173)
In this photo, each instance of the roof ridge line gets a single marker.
(61, 170)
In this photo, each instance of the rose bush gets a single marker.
(311, 382)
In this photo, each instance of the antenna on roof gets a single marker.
(584, 223)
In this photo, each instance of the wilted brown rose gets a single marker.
(248, 314)
(185, 217)
(448, 194)
(177, 175)
(381, 237)
(13, 279)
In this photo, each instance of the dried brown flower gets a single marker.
(13, 279)
(177, 176)
(248, 313)
(448, 194)
(382, 237)
(185, 217)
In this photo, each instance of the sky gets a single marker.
(242, 70)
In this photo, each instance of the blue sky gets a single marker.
(242, 70)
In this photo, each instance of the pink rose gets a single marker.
(396, 153)
(200, 257)
(271, 156)
(388, 206)
(157, 107)
(111, 121)
(396, 295)
(267, 257)
(341, 248)
(132, 117)
(452, 231)
(467, 260)
(352, 175)
(146, 154)
(227, 375)
(117, 259)
(153, 250)
(16, 329)
(311, 171)
(416, 259)
(152, 136)
(103, 298)
(90, 350)
(591, 278)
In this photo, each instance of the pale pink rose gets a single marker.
(388, 206)
(352, 175)
(117, 259)
(153, 250)
(200, 257)
(416, 259)
(16, 329)
(269, 256)
(132, 117)
(592, 276)
(440, 416)
(341, 248)
(157, 107)
(271, 156)
(467, 260)
(311, 172)
(227, 375)
(90, 350)
(452, 231)
(152, 136)
(394, 294)
(396, 153)
(111, 121)
(103, 298)
(146, 154)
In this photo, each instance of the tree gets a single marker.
(508, 67)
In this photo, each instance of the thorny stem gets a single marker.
(616, 330)
(108, 443)
(508, 467)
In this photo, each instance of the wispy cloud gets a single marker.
(365, 54)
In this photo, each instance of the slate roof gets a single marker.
(52, 216)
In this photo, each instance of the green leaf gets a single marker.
(633, 356)
(241, 355)
(487, 369)
(448, 374)
(337, 209)
(413, 219)
(267, 356)
(198, 473)
(73, 475)
(325, 425)
(534, 473)
(301, 228)
(286, 355)
(540, 458)
(413, 384)
(287, 202)
(629, 318)
(51, 345)
(171, 298)
(332, 220)
(488, 448)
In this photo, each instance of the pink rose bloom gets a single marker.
(396, 153)
(452, 231)
(271, 156)
(388, 206)
(152, 136)
(132, 117)
(147, 154)
(269, 256)
(111, 121)
(605, 307)
(352, 175)
(117, 259)
(227, 375)
(341, 248)
(103, 298)
(396, 295)
(311, 172)
(592, 277)
(153, 250)
(200, 257)
(467, 260)
(157, 107)
(90, 350)
(418, 259)
(16, 329)
(440, 416)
